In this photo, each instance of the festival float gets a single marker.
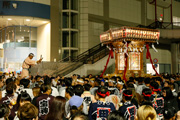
(128, 44)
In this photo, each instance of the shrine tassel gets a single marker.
(110, 55)
(125, 67)
(148, 56)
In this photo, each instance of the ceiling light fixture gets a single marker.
(28, 20)
(9, 19)
(44, 21)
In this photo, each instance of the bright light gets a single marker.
(9, 19)
(8, 41)
(44, 21)
(20, 40)
(28, 20)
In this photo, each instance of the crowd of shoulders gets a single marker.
(89, 98)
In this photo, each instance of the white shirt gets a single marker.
(54, 92)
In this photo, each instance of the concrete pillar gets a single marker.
(144, 12)
(174, 57)
(55, 21)
(106, 14)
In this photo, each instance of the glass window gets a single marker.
(65, 53)
(65, 4)
(65, 20)
(74, 39)
(33, 37)
(22, 36)
(74, 4)
(74, 20)
(74, 54)
(65, 39)
(10, 34)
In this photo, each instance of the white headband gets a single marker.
(79, 81)
(121, 83)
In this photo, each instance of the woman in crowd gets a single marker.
(28, 112)
(116, 115)
(4, 112)
(146, 112)
(169, 99)
(57, 109)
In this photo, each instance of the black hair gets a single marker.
(44, 88)
(97, 82)
(4, 110)
(24, 96)
(159, 79)
(68, 81)
(47, 80)
(78, 90)
(24, 82)
(9, 80)
(116, 115)
(131, 78)
(147, 103)
(70, 91)
(10, 88)
(139, 79)
(147, 80)
(127, 94)
(102, 90)
(37, 76)
(145, 92)
(154, 84)
(130, 85)
(87, 87)
(169, 112)
(169, 94)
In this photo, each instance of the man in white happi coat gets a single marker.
(28, 62)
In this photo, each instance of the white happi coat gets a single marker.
(25, 66)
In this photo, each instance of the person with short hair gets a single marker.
(128, 109)
(44, 101)
(28, 62)
(101, 108)
(80, 116)
(146, 112)
(28, 112)
(169, 113)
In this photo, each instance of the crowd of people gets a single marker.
(89, 98)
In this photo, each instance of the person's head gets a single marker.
(76, 105)
(25, 83)
(68, 82)
(146, 94)
(120, 84)
(38, 77)
(147, 81)
(10, 88)
(31, 55)
(57, 109)
(46, 89)
(80, 116)
(4, 111)
(97, 82)
(87, 87)
(23, 98)
(102, 92)
(167, 93)
(169, 113)
(116, 115)
(154, 86)
(27, 112)
(78, 90)
(127, 95)
(9, 80)
(112, 82)
(166, 83)
(146, 112)
(91, 82)
(47, 80)
(36, 91)
(80, 81)
(69, 92)
(172, 86)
